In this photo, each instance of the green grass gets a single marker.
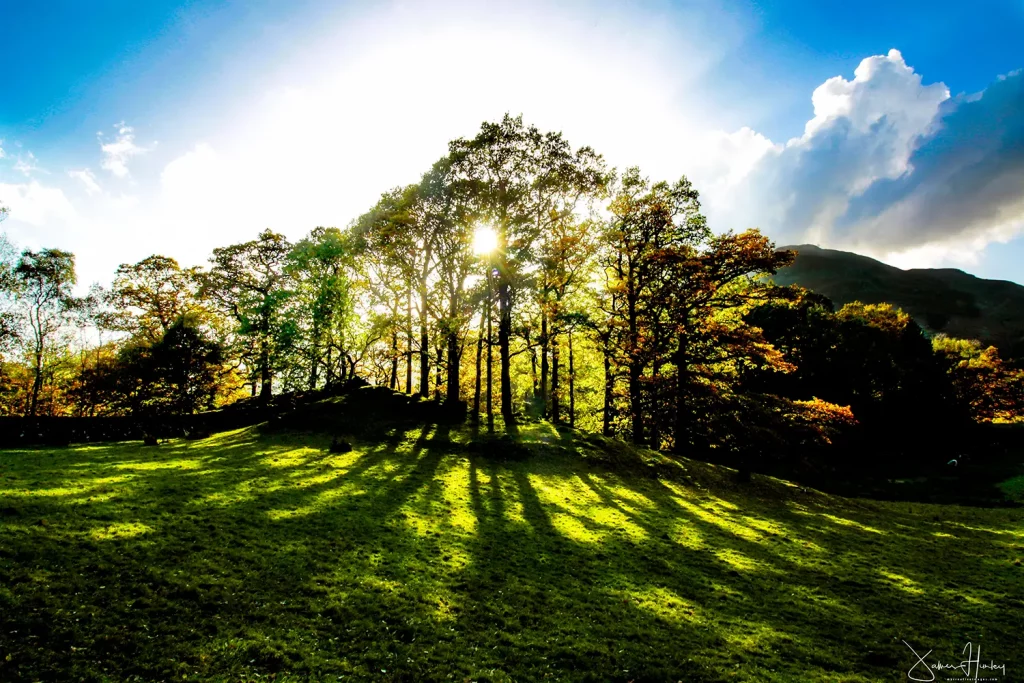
(424, 557)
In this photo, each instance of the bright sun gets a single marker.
(485, 240)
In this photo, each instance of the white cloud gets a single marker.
(36, 204)
(890, 167)
(118, 153)
(965, 251)
(88, 179)
(1, 148)
(724, 160)
(98, 230)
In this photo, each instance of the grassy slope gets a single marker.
(246, 557)
(942, 300)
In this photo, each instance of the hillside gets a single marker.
(430, 553)
(940, 299)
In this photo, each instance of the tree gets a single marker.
(871, 357)
(987, 386)
(803, 326)
(44, 280)
(646, 220)
(8, 291)
(566, 254)
(383, 244)
(524, 179)
(449, 206)
(182, 372)
(707, 291)
(323, 305)
(188, 369)
(153, 294)
(249, 281)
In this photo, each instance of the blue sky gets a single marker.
(131, 128)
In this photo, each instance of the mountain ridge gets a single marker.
(941, 300)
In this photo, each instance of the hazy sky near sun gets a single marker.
(128, 129)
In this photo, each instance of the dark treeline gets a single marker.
(519, 277)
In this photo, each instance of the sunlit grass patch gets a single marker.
(120, 531)
(290, 458)
(902, 582)
(222, 498)
(687, 534)
(575, 529)
(850, 523)
(175, 464)
(739, 561)
(712, 514)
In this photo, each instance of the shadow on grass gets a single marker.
(425, 555)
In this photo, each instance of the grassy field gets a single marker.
(428, 556)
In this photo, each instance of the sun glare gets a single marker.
(485, 240)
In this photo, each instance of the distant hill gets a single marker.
(940, 299)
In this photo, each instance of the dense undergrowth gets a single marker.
(428, 554)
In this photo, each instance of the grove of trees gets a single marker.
(519, 278)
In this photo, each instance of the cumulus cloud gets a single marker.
(88, 179)
(965, 179)
(37, 205)
(118, 153)
(889, 165)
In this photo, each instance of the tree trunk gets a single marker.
(533, 367)
(408, 341)
(37, 381)
(654, 438)
(635, 372)
(424, 335)
(635, 408)
(424, 347)
(479, 358)
(313, 374)
(572, 385)
(504, 342)
(394, 361)
(682, 422)
(314, 368)
(490, 362)
(266, 377)
(544, 369)
(330, 365)
(556, 408)
(606, 426)
(453, 383)
(437, 371)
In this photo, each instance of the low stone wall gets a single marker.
(356, 406)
